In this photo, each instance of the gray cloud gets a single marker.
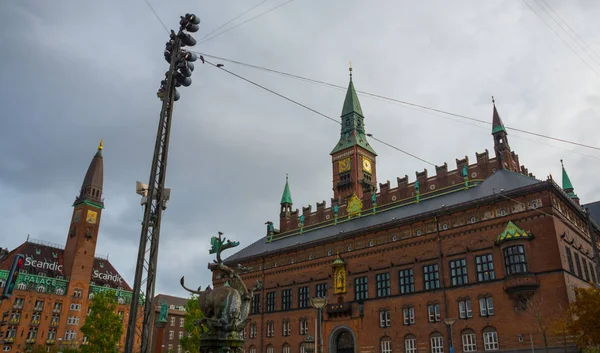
(72, 73)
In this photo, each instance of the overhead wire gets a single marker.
(233, 19)
(244, 22)
(309, 108)
(398, 101)
(156, 15)
(500, 193)
(561, 38)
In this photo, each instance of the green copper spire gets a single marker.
(353, 126)
(566, 182)
(286, 198)
(497, 124)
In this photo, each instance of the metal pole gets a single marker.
(319, 324)
(151, 221)
(531, 340)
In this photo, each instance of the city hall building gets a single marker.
(56, 283)
(464, 257)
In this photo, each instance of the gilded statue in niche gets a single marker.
(339, 275)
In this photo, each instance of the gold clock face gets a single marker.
(91, 217)
(366, 165)
(344, 165)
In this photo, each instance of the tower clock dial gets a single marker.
(91, 217)
(344, 165)
(367, 167)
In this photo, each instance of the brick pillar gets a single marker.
(159, 337)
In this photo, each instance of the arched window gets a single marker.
(436, 341)
(2, 283)
(21, 286)
(386, 344)
(121, 300)
(41, 289)
(490, 339)
(469, 341)
(60, 291)
(270, 349)
(410, 344)
(286, 348)
(252, 349)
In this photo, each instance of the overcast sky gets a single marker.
(72, 72)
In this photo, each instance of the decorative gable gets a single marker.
(513, 232)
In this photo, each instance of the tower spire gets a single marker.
(91, 188)
(286, 198)
(497, 124)
(567, 185)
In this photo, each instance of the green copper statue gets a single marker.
(164, 312)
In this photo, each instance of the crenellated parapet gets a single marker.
(404, 192)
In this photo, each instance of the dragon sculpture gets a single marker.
(225, 308)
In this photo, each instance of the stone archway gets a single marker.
(342, 340)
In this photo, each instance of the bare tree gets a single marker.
(533, 308)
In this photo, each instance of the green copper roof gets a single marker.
(353, 126)
(351, 103)
(286, 198)
(512, 232)
(566, 182)
(338, 261)
(497, 124)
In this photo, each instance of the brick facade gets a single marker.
(174, 328)
(484, 248)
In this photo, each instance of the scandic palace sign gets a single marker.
(55, 266)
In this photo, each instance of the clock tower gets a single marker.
(353, 157)
(83, 230)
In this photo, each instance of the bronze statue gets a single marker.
(225, 308)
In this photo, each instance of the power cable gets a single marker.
(241, 23)
(156, 15)
(561, 38)
(370, 135)
(309, 108)
(398, 101)
(578, 37)
(233, 19)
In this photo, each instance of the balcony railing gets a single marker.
(521, 282)
(30, 340)
(35, 322)
(14, 321)
(18, 306)
(9, 339)
(54, 324)
(56, 310)
(50, 341)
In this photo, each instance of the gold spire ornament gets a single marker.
(350, 68)
(100, 145)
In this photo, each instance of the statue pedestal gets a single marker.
(159, 337)
(216, 345)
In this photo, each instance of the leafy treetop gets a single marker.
(193, 314)
(103, 326)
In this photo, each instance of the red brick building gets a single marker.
(55, 285)
(465, 258)
(167, 339)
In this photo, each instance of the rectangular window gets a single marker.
(77, 293)
(578, 266)
(270, 329)
(171, 334)
(178, 348)
(431, 277)
(569, 259)
(170, 348)
(19, 303)
(180, 334)
(586, 273)
(486, 306)
(253, 331)
(385, 318)
(39, 305)
(433, 311)
(465, 309)
(408, 315)
(592, 272)
(410, 345)
(485, 268)
(361, 288)
(407, 281)
(490, 341)
(386, 346)
(75, 306)
(181, 322)
(271, 296)
(287, 349)
(286, 299)
(270, 350)
(458, 272)
(383, 284)
(321, 291)
(303, 297)
(71, 320)
(514, 260)
(255, 306)
(303, 326)
(172, 321)
(468, 342)
(437, 344)
(287, 328)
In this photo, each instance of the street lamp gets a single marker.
(449, 322)
(309, 344)
(318, 303)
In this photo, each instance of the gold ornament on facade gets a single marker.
(339, 275)
(354, 206)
